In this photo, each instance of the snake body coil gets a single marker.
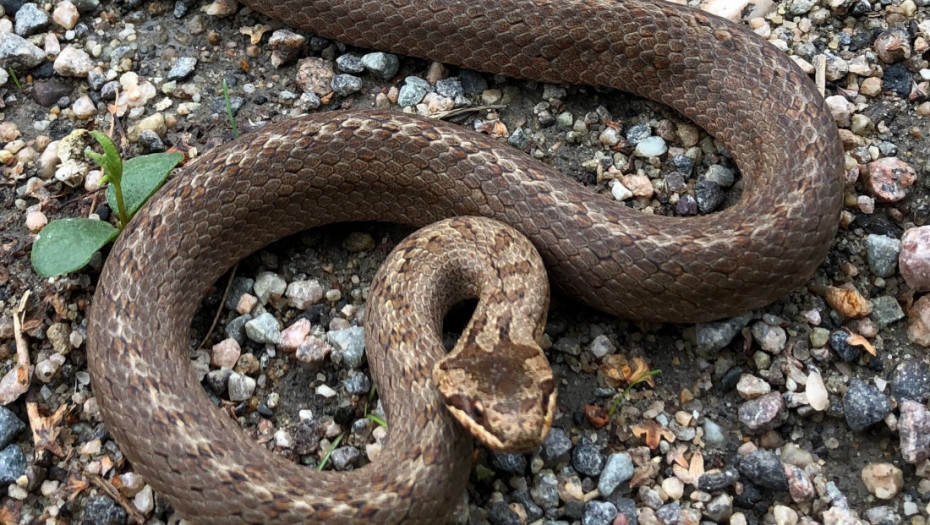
(385, 166)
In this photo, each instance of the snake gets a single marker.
(361, 165)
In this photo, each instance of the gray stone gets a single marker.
(382, 64)
(357, 384)
(345, 85)
(709, 195)
(264, 329)
(555, 450)
(763, 468)
(618, 469)
(10, 426)
(345, 458)
(509, 463)
(12, 464)
(16, 52)
(882, 254)
(182, 68)
(31, 19)
(236, 328)
(599, 513)
(101, 510)
(350, 64)
(348, 345)
(721, 175)
(545, 490)
(712, 337)
(587, 459)
(413, 91)
(886, 310)
(716, 479)
(864, 405)
(910, 380)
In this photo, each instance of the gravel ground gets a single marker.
(813, 409)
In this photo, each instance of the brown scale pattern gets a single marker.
(365, 166)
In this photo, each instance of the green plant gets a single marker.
(15, 78)
(626, 391)
(67, 245)
(329, 451)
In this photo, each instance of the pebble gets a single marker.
(599, 513)
(914, 429)
(839, 342)
(751, 387)
(12, 464)
(889, 179)
(73, 62)
(763, 468)
(714, 434)
(182, 68)
(35, 221)
(19, 53)
(816, 392)
(102, 510)
(313, 350)
(357, 384)
(650, 147)
(344, 84)
(709, 195)
(771, 338)
(884, 480)
(350, 64)
(784, 515)
(413, 91)
(65, 14)
(384, 65)
(670, 513)
(618, 469)
(721, 175)
(236, 328)
(500, 513)
(545, 492)
(348, 345)
(910, 380)
(556, 448)
(712, 337)
(294, 335)
(144, 501)
(897, 79)
(915, 258)
(240, 386)
(587, 459)
(31, 19)
(918, 328)
(864, 405)
(219, 379)
(48, 93)
(720, 509)
(882, 254)
(886, 310)
(264, 329)
(285, 46)
(800, 486)
(10, 426)
(763, 414)
(269, 286)
(345, 458)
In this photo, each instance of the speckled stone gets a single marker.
(864, 405)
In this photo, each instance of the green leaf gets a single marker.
(142, 176)
(67, 245)
(377, 420)
(329, 451)
(110, 161)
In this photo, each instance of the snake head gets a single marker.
(504, 396)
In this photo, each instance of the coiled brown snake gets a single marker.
(333, 167)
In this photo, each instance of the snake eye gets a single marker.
(477, 411)
(474, 409)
